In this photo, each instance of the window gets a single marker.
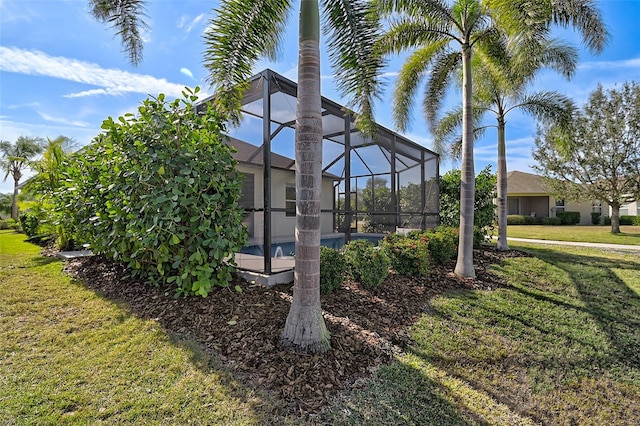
(559, 206)
(596, 207)
(513, 205)
(290, 200)
(624, 210)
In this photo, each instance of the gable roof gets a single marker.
(525, 183)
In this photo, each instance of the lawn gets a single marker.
(557, 345)
(587, 233)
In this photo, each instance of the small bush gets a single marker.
(443, 244)
(366, 264)
(4, 224)
(530, 220)
(515, 219)
(569, 218)
(332, 269)
(630, 220)
(409, 255)
(554, 221)
(606, 220)
(29, 222)
(595, 218)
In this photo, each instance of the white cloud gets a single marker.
(187, 72)
(60, 120)
(109, 81)
(189, 25)
(609, 65)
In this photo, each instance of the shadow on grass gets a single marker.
(607, 298)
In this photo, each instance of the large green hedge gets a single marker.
(158, 191)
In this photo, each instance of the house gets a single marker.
(527, 195)
(385, 182)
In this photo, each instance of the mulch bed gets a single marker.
(368, 326)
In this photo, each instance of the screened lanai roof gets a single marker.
(371, 157)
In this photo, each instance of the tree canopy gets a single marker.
(597, 157)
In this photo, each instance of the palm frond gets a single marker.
(443, 66)
(126, 16)
(411, 73)
(353, 31)
(548, 107)
(240, 32)
(585, 16)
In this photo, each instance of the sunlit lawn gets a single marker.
(586, 233)
(68, 356)
(558, 346)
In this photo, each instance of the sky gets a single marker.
(63, 73)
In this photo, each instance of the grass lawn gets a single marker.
(559, 345)
(68, 356)
(586, 233)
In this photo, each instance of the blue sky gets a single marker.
(61, 72)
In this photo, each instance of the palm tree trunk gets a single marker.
(502, 186)
(464, 264)
(14, 201)
(305, 330)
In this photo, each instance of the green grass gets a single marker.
(559, 346)
(68, 356)
(587, 233)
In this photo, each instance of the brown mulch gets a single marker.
(368, 326)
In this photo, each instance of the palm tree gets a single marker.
(502, 81)
(15, 158)
(241, 32)
(444, 36)
(244, 30)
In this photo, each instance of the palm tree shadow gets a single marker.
(607, 298)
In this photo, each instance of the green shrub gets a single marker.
(367, 264)
(409, 255)
(4, 224)
(569, 218)
(29, 222)
(332, 269)
(595, 218)
(606, 220)
(630, 220)
(158, 191)
(529, 220)
(443, 244)
(551, 221)
(515, 219)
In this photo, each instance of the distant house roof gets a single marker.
(525, 183)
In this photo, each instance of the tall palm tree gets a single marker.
(15, 158)
(244, 30)
(241, 32)
(502, 82)
(444, 37)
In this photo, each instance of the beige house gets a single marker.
(527, 195)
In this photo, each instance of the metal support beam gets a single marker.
(347, 178)
(266, 161)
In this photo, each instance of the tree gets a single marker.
(444, 36)
(376, 200)
(244, 30)
(483, 201)
(503, 79)
(598, 156)
(5, 203)
(15, 158)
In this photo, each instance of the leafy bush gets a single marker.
(630, 220)
(606, 220)
(443, 244)
(159, 193)
(595, 218)
(569, 218)
(409, 255)
(367, 264)
(29, 222)
(515, 219)
(530, 220)
(332, 269)
(551, 221)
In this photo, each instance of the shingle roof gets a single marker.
(525, 183)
